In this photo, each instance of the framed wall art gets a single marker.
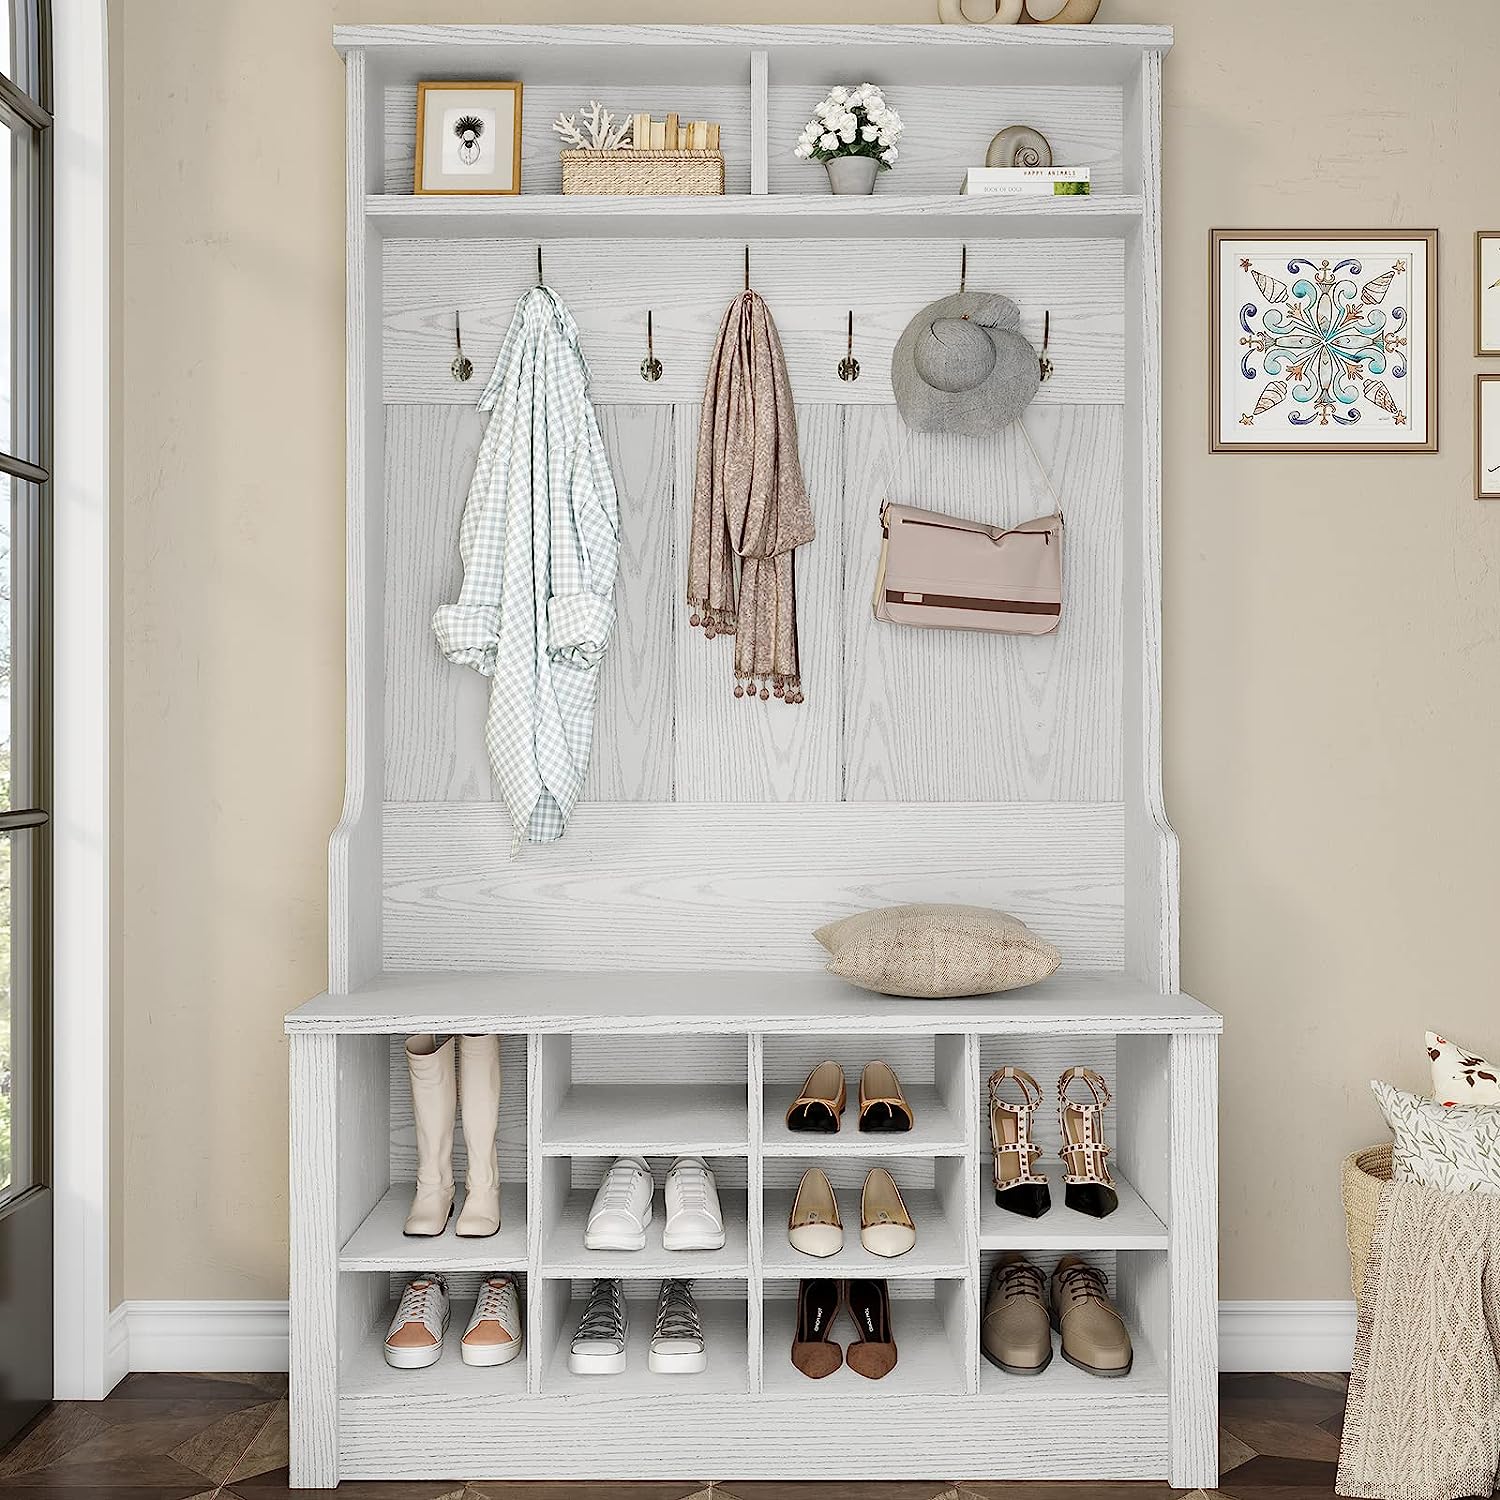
(468, 138)
(1487, 437)
(1487, 292)
(1323, 341)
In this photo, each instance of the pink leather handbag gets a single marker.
(944, 573)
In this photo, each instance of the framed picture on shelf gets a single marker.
(1487, 437)
(1323, 341)
(468, 138)
(1487, 291)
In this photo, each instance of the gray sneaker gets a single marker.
(598, 1347)
(677, 1343)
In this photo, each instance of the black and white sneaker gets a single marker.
(677, 1343)
(598, 1347)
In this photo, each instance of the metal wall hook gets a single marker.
(462, 367)
(1045, 362)
(747, 268)
(651, 365)
(848, 365)
(539, 280)
(963, 268)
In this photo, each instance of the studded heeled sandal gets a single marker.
(1019, 1187)
(1088, 1186)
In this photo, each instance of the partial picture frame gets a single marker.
(1487, 437)
(1487, 293)
(468, 138)
(1323, 341)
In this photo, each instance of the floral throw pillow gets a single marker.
(1460, 1076)
(1452, 1147)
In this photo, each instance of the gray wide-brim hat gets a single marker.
(963, 366)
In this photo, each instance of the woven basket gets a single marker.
(686, 174)
(1365, 1174)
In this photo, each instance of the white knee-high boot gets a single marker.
(434, 1101)
(479, 1094)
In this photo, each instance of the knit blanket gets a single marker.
(1423, 1420)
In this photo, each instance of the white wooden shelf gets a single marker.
(614, 1119)
(1132, 1226)
(1077, 1002)
(724, 1332)
(798, 216)
(380, 1245)
(1146, 1385)
(564, 1253)
(939, 1251)
(936, 1130)
(925, 1365)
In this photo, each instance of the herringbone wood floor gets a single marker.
(192, 1437)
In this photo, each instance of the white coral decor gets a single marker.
(851, 122)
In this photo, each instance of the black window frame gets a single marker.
(26, 105)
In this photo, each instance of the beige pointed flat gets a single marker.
(814, 1226)
(885, 1227)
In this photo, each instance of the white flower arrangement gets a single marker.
(851, 122)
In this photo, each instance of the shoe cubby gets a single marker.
(378, 1242)
(936, 1191)
(933, 1078)
(617, 1094)
(565, 1194)
(367, 1302)
(931, 1325)
(723, 1308)
(1130, 1131)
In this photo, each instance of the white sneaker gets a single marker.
(493, 1336)
(622, 1207)
(694, 1218)
(677, 1343)
(598, 1348)
(415, 1338)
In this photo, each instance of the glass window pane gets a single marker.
(20, 643)
(17, 1074)
(7, 41)
(21, 323)
(21, 46)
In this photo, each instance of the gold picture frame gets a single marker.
(467, 143)
(1483, 384)
(1267, 396)
(1482, 274)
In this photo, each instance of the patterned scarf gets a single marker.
(750, 502)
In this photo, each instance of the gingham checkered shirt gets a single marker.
(540, 543)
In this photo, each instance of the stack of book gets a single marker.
(673, 134)
(1005, 182)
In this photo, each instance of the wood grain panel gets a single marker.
(953, 715)
(434, 712)
(949, 129)
(610, 283)
(699, 885)
(725, 749)
(632, 759)
(541, 166)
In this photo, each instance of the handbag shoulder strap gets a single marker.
(1042, 470)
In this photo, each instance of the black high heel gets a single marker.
(1089, 1187)
(1019, 1187)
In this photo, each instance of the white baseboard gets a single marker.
(195, 1336)
(116, 1347)
(1297, 1336)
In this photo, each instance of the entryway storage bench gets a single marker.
(652, 976)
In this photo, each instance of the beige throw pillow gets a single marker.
(937, 952)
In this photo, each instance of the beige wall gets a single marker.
(1333, 624)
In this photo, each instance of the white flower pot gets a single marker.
(852, 174)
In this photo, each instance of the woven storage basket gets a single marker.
(686, 174)
(1365, 1173)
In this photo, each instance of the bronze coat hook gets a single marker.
(848, 365)
(462, 366)
(651, 365)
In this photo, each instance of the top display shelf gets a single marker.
(709, 55)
